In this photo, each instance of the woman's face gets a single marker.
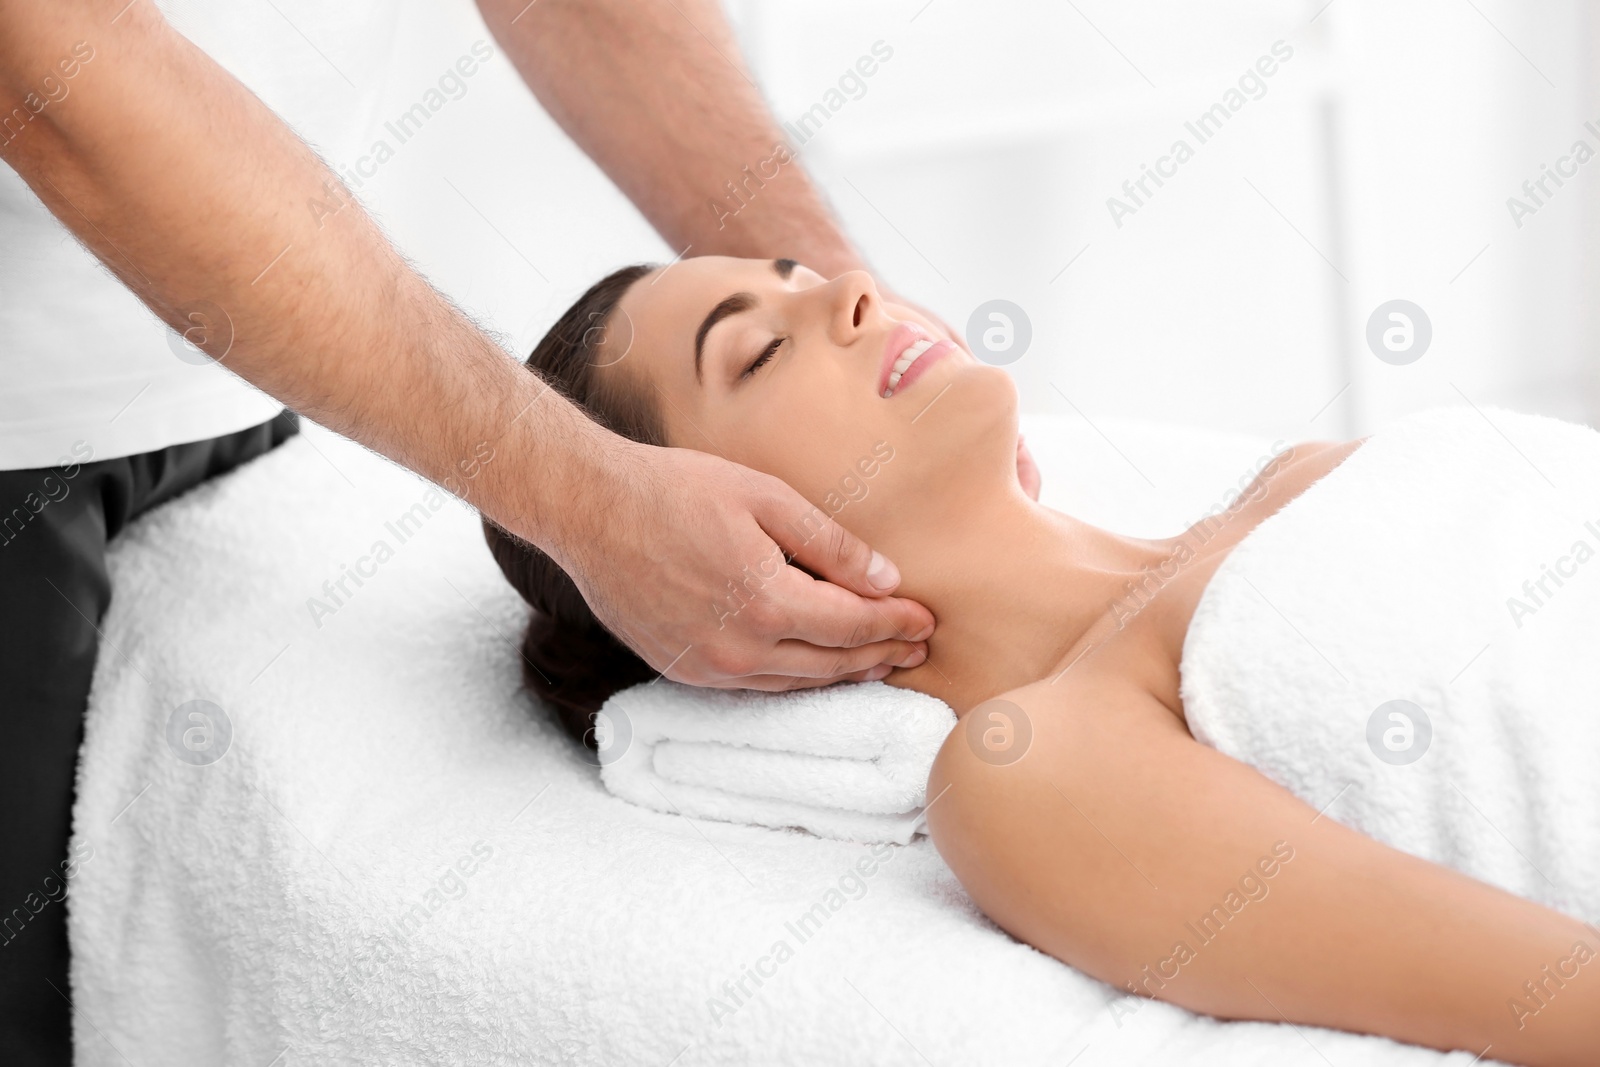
(768, 364)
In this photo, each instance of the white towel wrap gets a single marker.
(1397, 577)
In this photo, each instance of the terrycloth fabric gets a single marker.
(399, 860)
(844, 761)
(1452, 562)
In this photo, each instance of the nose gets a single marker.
(854, 306)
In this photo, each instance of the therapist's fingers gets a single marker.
(1027, 470)
(811, 537)
(707, 597)
(821, 614)
(782, 683)
(795, 664)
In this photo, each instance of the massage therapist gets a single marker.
(188, 197)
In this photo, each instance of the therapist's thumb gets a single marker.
(810, 536)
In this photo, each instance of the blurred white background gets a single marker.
(1375, 164)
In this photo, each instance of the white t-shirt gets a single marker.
(82, 361)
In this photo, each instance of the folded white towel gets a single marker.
(848, 761)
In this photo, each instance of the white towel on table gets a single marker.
(848, 761)
(393, 820)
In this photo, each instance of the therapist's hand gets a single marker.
(682, 555)
(1027, 470)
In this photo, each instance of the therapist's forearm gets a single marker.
(189, 189)
(658, 94)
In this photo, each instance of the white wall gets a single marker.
(1452, 107)
(978, 161)
(491, 200)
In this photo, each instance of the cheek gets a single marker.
(816, 458)
(823, 450)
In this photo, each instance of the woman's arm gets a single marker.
(1123, 847)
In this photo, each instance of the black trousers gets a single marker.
(55, 524)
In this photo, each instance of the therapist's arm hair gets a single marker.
(1122, 846)
(189, 189)
(659, 95)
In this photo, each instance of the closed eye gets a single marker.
(766, 354)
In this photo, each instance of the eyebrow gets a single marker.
(733, 305)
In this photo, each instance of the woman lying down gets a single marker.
(1406, 614)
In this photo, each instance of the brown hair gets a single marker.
(569, 659)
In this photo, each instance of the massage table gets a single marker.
(319, 822)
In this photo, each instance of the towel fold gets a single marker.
(847, 761)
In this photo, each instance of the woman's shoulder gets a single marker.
(1038, 730)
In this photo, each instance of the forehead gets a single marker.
(676, 298)
(661, 311)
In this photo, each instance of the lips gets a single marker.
(907, 353)
(934, 352)
(900, 338)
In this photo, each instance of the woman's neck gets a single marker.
(1013, 587)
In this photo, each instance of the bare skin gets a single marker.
(188, 188)
(1116, 828)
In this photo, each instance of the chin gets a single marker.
(961, 443)
(976, 412)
